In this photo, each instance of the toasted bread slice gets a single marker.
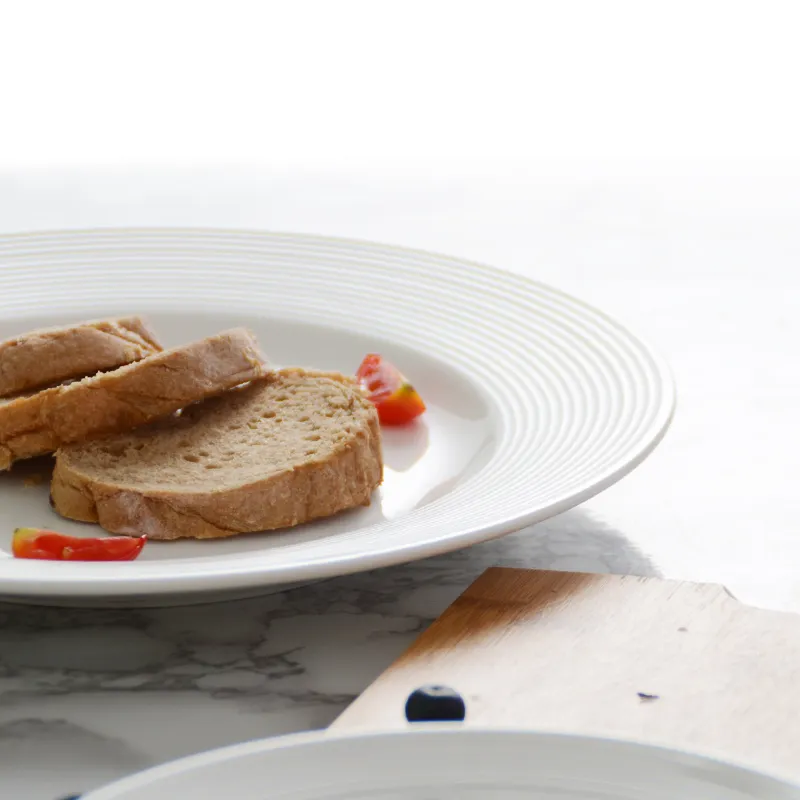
(292, 447)
(133, 395)
(49, 356)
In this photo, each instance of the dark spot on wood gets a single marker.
(682, 630)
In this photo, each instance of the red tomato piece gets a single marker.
(395, 399)
(52, 546)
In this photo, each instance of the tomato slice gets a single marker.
(52, 546)
(396, 400)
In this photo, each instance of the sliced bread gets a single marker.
(124, 398)
(292, 447)
(52, 355)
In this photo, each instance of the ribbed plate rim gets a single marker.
(663, 384)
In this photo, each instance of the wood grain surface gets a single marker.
(680, 664)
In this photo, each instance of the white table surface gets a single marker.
(705, 266)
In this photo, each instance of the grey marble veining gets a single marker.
(88, 695)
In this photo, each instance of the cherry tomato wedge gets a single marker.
(394, 397)
(52, 546)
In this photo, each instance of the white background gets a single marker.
(307, 84)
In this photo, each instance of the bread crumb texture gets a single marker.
(291, 447)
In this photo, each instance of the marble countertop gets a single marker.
(704, 267)
(87, 696)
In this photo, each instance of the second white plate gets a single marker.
(536, 401)
(446, 765)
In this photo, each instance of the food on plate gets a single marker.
(109, 402)
(397, 401)
(51, 355)
(51, 546)
(201, 441)
(291, 447)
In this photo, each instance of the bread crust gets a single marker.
(127, 397)
(310, 489)
(52, 355)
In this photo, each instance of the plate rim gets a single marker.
(111, 587)
(218, 755)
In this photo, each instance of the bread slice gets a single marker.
(52, 355)
(287, 449)
(133, 395)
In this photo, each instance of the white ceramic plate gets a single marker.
(446, 765)
(536, 401)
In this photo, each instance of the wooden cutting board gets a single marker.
(679, 664)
